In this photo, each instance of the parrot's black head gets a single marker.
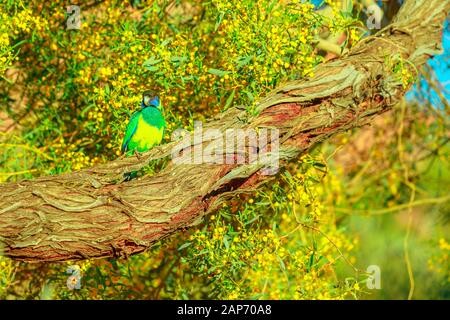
(150, 99)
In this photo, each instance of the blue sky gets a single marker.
(440, 65)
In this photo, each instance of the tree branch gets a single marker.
(93, 213)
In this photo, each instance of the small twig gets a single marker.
(395, 208)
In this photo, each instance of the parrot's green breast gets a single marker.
(145, 130)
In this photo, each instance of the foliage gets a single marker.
(70, 93)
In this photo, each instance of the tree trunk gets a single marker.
(93, 213)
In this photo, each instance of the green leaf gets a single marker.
(83, 112)
(311, 262)
(282, 265)
(166, 42)
(211, 270)
(229, 99)
(185, 245)
(179, 60)
(249, 95)
(219, 20)
(151, 61)
(319, 164)
(257, 296)
(107, 90)
(151, 64)
(271, 5)
(251, 220)
(242, 61)
(152, 68)
(225, 242)
(218, 72)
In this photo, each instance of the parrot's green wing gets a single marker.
(131, 130)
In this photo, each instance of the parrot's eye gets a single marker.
(147, 100)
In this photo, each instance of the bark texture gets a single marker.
(93, 213)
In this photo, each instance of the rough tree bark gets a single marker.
(93, 213)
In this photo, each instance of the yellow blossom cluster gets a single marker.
(7, 269)
(70, 153)
(294, 257)
(11, 27)
(440, 261)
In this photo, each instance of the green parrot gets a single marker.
(146, 127)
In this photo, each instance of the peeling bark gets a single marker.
(93, 213)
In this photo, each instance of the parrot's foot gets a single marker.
(138, 155)
(159, 148)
